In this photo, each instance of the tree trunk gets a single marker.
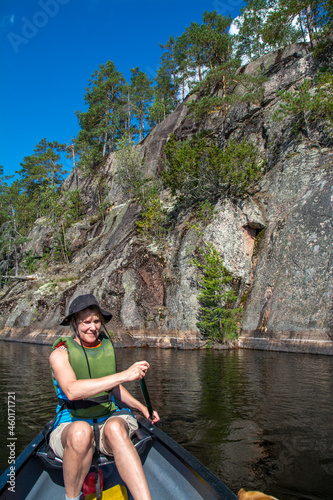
(64, 246)
(129, 117)
(105, 142)
(15, 246)
(302, 29)
(75, 168)
(20, 278)
(306, 126)
(221, 330)
(143, 125)
(309, 22)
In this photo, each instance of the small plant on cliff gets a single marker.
(205, 212)
(311, 100)
(225, 88)
(30, 262)
(153, 218)
(129, 168)
(145, 191)
(75, 206)
(204, 215)
(217, 318)
(61, 251)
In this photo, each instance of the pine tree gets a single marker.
(43, 168)
(217, 318)
(163, 97)
(129, 106)
(103, 123)
(198, 62)
(188, 58)
(209, 43)
(17, 202)
(224, 89)
(249, 43)
(40, 176)
(185, 72)
(71, 155)
(307, 15)
(169, 67)
(15, 223)
(216, 40)
(283, 25)
(266, 25)
(324, 16)
(153, 216)
(3, 196)
(141, 93)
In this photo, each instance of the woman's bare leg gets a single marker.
(77, 440)
(117, 441)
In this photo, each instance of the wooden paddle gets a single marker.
(146, 396)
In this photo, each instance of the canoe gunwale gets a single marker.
(22, 459)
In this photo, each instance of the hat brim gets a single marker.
(106, 316)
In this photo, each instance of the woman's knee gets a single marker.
(79, 436)
(116, 429)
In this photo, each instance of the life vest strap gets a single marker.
(84, 403)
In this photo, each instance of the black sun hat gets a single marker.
(84, 302)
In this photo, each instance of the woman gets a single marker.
(84, 368)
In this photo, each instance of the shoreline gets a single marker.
(283, 345)
(123, 340)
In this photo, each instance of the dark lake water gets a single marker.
(258, 420)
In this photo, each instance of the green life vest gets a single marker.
(102, 362)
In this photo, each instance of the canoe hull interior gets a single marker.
(172, 473)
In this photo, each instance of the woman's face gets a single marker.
(89, 324)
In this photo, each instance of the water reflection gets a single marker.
(258, 420)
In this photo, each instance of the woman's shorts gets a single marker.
(55, 436)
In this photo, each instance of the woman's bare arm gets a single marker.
(125, 397)
(87, 388)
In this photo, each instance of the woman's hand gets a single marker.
(154, 419)
(137, 371)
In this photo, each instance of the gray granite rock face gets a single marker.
(277, 242)
(291, 296)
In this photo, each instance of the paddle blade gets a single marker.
(118, 492)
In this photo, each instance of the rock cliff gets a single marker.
(277, 241)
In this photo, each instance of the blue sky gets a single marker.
(50, 48)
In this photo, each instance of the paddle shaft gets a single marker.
(146, 396)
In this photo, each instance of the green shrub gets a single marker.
(196, 170)
(309, 101)
(61, 245)
(129, 169)
(30, 262)
(153, 218)
(130, 175)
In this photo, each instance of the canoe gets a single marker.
(171, 471)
